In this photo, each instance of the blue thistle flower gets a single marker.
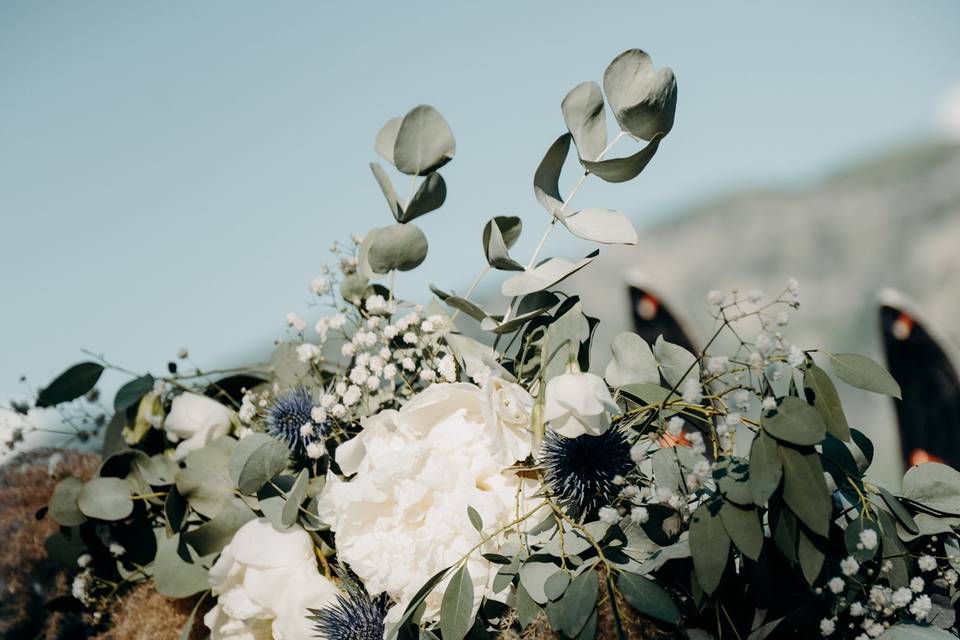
(286, 417)
(580, 470)
(355, 616)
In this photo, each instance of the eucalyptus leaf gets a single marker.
(207, 490)
(456, 608)
(544, 275)
(632, 363)
(130, 393)
(934, 485)
(258, 458)
(430, 196)
(533, 576)
(212, 536)
(461, 304)
(556, 584)
(676, 363)
(821, 391)
(173, 576)
(743, 527)
(387, 138)
(811, 558)
(386, 186)
(63, 503)
(400, 247)
(424, 142)
(546, 180)
(105, 499)
(766, 470)
(648, 598)
(70, 385)
(624, 169)
(586, 120)
(796, 422)
(601, 225)
(709, 546)
(579, 602)
(291, 508)
(499, 234)
(643, 99)
(863, 373)
(805, 489)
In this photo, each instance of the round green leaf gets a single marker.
(796, 422)
(130, 393)
(744, 529)
(643, 99)
(424, 141)
(400, 246)
(585, 118)
(934, 485)
(632, 362)
(63, 503)
(105, 499)
(257, 458)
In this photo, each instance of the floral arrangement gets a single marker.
(441, 471)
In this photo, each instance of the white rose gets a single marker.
(195, 421)
(577, 403)
(507, 406)
(265, 580)
(415, 472)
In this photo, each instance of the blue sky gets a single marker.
(171, 174)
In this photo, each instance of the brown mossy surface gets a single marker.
(27, 578)
(141, 612)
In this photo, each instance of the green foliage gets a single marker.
(862, 372)
(105, 499)
(257, 458)
(456, 609)
(70, 385)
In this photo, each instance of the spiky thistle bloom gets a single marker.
(291, 419)
(355, 616)
(581, 470)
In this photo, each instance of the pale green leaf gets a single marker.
(424, 142)
(456, 607)
(586, 120)
(601, 225)
(643, 99)
(863, 373)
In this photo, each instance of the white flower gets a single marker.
(307, 352)
(390, 332)
(856, 610)
(507, 408)
(718, 365)
(675, 426)
(927, 563)
(347, 350)
(639, 515)
(608, 515)
(116, 549)
(248, 409)
(265, 580)
(318, 415)
(917, 584)
(448, 368)
(691, 391)
(783, 318)
(376, 303)
(827, 626)
(428, 375)
(84, 561)
(836, 584)
(868, 538)
(352, 395)
(950, 577)
(410, 337)
(195, 421)
(415, 471)
(849, 566)
(578, 403)
(408, 364)
(296, 322)
(337, 321)
(795, 358)
(390, 371)
(901, 597)
(921, 607)
(54, 463)
(319, 285)
(314, 451)
(793, 286)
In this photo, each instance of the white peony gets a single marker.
(195, 421)
(265, 580)
(402, 518)
(578, 403)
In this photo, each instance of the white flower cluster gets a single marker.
(403, 516)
